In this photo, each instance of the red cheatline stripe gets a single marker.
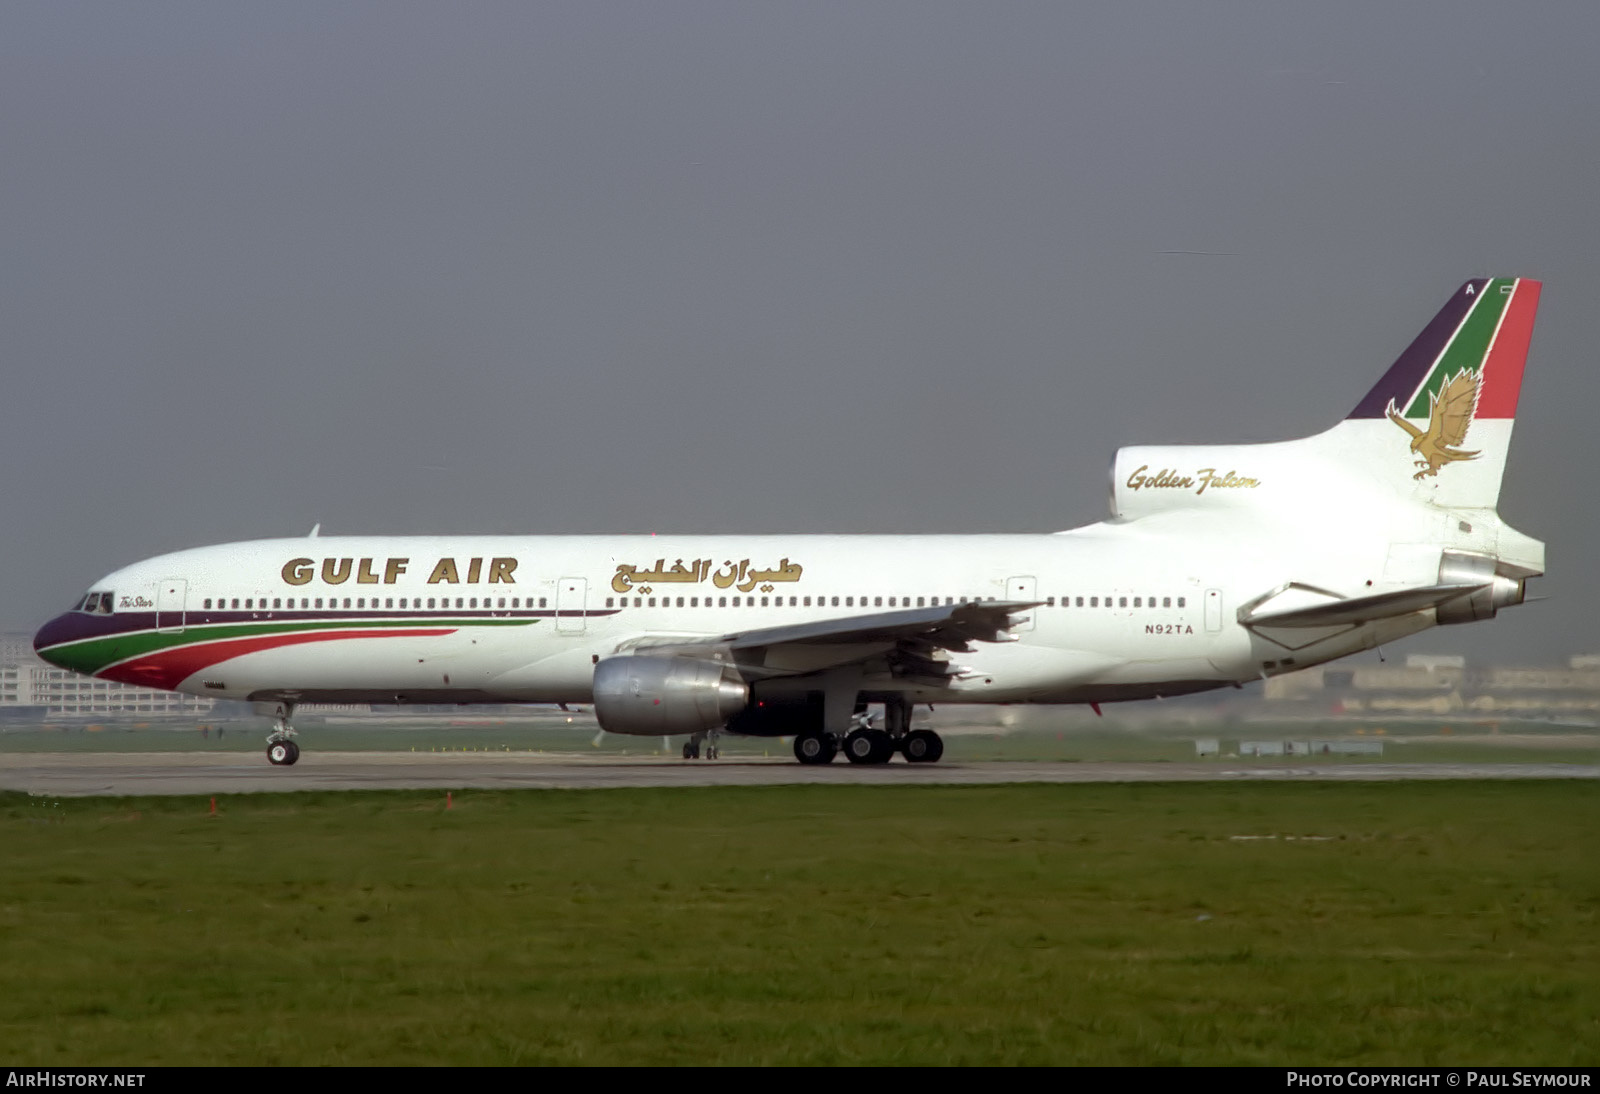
(1502, 371)
(169, 668)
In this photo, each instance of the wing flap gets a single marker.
(950, 627)
(911, 642)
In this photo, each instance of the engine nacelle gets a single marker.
(656, 696)
(1500, 591)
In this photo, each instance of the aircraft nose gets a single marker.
(58, 630)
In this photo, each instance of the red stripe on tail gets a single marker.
(1502, 369)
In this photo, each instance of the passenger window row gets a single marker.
(877, 601)
(1114, 602)
(414, 603)
(792, 602)
(101, 602)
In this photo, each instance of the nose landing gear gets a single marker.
(281, 748)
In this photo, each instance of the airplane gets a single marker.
(1218, 565)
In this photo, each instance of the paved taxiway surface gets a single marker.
(87, 774)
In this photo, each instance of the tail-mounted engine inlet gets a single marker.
(1496, 591)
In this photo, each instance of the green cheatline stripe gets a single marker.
(93, 654)
(1471, 344)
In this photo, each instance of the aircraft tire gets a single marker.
(815, 747)
(883, 746)
(919, 746)
(923, 746)
(282, 753)
(868, 746)
(859, 748)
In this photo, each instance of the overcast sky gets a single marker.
(757, 267)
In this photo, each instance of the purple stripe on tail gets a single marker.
(1407, 373)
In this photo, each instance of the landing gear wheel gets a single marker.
(691, 750)
(868, 746)
(858, 746)
(713, 753)
(884, 745)
(815, 748)
(281, 749)
(923, 746)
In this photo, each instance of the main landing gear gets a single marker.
(281, 749)
(866, 744)
(869, 746)
(815, 747)
(691, 747)
(923, 746)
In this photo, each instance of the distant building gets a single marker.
(1432, 662)
(1305, 684)
(1431, 685)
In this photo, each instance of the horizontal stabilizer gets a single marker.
(1362, 609)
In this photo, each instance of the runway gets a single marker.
(181, 773)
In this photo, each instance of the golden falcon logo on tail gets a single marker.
(1450, 412)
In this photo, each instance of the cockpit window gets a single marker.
(107, 601)
(83, 604)
(96, 603)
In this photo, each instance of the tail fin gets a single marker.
(1451, 397)
(1484, 328)
(1434, 430)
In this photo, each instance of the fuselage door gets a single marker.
(1022, 588)
(170, 596)
(571, 595)
(1213, 611)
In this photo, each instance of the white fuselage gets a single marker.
(1124, 608)
(1220, 564)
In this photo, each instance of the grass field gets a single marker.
(1407, 923)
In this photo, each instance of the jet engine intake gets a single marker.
(1497, 591)
(657, 696)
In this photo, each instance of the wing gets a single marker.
(1453, 411)
(912, 642)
